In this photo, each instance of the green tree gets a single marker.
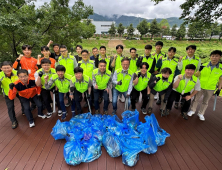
(88, 29)
(130, 30)
(213, 30)
(181, 32)
(120, 29)
(220, 31)
(165, 27)
(173, 31)
(206, 11)
(22, 23)
(192, 30)
(154, 28)
(143, 27)
(112, 30)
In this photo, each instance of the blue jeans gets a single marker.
(115, 97)
(97, 94)
(27, 110)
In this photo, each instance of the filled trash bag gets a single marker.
(131, 118)
(160, 134)
(74, 153)
(112, 144)
(93, 150)
(130, 157)
(74, 134)
(59, 131)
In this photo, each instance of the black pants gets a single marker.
(11, 108)
(175, 95)
(78, 99)
(46, 98)
(135, 94)
(27, 110)
(101, 93)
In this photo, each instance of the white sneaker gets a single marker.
(190, 113)
(31, 124)
(156, 96)
(201, 117)
(48, 115)
(59, 112)
(42, 116)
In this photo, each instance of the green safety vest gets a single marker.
(81, 86)
(87, 67)
(172, 64)
(118, 62)
(68, 63)
(209, 79)
(133, 66)
(186, 61)
(51, 72)
(102, 80)
(157, 56)
(107, 61)
(5, 81)
(142, 82)
(125, 80)
(63, 85)
(185, 88)
(162, 85)
(149, 61)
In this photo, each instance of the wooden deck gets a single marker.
(193, 144)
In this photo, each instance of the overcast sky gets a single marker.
(138, 8)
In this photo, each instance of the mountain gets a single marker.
(127, 20)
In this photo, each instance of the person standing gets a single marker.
(210, 76)
(78, 50)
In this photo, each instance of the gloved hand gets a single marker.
(148, 96)
(11, 86)
(72, 89)
(119, 82)
(217, 92)
(40, 74)
(165, 101)
(157, 79)
(88, 96)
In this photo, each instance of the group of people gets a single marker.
(156, 75)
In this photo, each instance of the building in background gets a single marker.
(102, 27)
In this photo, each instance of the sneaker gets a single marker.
(158, 102)
(68, 103)
(144, 111)
(114, 112)
(106, 112)
(184, 115)
(97, 112)
(156, 96)
(149, 110)
(176, 105)
(122, 99)
(14, 124)
(201, 117)
(162, 113)
(167, 112)
(31, 124)
(48, 115)
(42, 116)
(73, 113)
(59, 112)
(63, 116)
(190, 113)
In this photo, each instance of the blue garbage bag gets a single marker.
(59, 131)
(93, 149)
(74, 153)
(148, 137)
(160, 134)
(131, 118)
(74, 134)
(112, 144)
(132, 145)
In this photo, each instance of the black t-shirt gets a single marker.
(78, 58)
(55, 56)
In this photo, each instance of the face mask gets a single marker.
(164, 78)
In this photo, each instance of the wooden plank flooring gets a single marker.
(193, 144)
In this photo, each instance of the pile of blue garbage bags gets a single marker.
(86, 134)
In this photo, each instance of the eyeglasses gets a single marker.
(63, 51)
(6, 68)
